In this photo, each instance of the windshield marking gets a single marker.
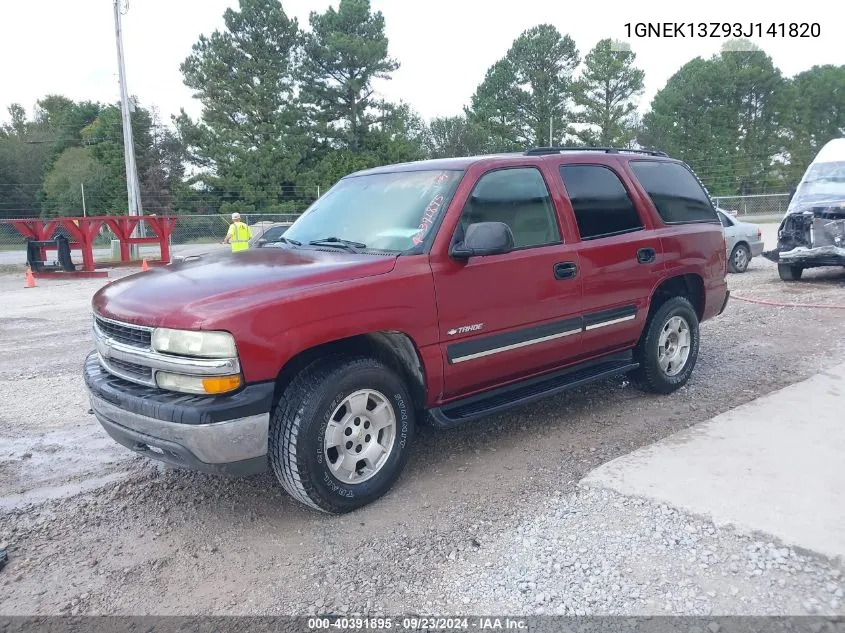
(431, 212)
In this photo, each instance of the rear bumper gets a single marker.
(220, 435)
(757, 249)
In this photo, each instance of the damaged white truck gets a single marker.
(812, 233)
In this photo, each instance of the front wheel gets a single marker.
(668, 348)
(790, 272)
(740, 258)
(341, 433)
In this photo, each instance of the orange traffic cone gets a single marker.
(30, 279)
(144, 266)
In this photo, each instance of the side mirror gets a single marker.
(484, 238)
(260, 242)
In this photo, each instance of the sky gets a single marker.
(444, 46)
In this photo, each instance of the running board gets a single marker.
(518, 394)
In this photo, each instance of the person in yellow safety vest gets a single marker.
(238, 235)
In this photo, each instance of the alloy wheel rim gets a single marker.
(673, 347)
(359, 437)
(740, 259)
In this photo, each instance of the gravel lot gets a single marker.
(486, 518)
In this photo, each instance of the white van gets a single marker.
(812, 233)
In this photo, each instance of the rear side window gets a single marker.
(675, 191)
(600, 201)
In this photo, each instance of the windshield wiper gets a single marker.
(287, 240)
(349, 245)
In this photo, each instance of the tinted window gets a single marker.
(274, 233)
(675, 191)
(520, 199)
(725, 220)
(600, 201)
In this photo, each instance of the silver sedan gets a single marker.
(267, 233)
(743, 239)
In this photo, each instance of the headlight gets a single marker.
(204, 385)
(194, 343)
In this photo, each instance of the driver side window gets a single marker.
(519, 198)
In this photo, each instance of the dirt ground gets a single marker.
(92, 529)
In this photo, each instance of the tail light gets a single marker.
(759, 234)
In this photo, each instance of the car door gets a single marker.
(620, 257)
(506, 316)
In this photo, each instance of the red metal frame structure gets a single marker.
(83, 231)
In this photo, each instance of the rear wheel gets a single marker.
(740, 258)
(790, 272)
(668, 348)
(341, 433)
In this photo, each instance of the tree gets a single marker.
(62, 191)
(529, 88)
(494, 111)
(454, 136)
(723, 116)
(815, 114)
(345, 52)
(249, 138)
(605, 92)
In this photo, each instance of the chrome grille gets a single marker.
(129, 370)
(125, 333)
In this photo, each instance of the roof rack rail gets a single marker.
(541, 151)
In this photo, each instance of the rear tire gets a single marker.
(790, 272)
(740, 258)
(341, 433)
(668, 347)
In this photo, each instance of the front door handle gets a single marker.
(646, 255)
(565, 270)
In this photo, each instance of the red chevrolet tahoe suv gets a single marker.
(431, 292)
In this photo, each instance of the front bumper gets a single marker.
(213, 434)
(812, 257)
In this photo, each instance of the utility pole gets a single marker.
(84, 212)
(132, 189)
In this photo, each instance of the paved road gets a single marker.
(773, 465)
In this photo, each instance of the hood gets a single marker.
(821, 190)
(185, 294)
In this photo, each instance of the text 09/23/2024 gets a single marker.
(722, 29)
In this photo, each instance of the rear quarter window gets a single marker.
(675, 191)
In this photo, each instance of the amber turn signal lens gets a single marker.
(221, 384)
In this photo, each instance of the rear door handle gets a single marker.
(646, 255)
(565, 270)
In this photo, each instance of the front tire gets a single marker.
(740, 258)
(668, 348)
(790, 272)
(341, 433)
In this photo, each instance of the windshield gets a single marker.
(824, 183)
(386, 212)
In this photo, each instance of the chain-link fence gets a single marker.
(211, 228)
(768, 207)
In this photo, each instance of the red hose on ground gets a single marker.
(787, 305)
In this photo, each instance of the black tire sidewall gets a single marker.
(311, 441)
(673, 307)
(790, 272)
